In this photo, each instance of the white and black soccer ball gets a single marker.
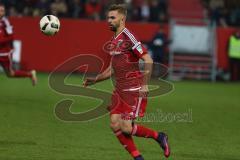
(49, 25)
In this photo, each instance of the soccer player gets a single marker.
(6, 50)
(129, 98)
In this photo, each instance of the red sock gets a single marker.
(141, 131)
(127, 142)
(22, 74)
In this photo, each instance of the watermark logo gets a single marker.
(160, 116)
(91, 65)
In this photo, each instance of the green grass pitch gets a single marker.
(29, 129)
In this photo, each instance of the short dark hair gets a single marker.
(121, 8)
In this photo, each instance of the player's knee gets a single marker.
(115, 126)
(126, 128)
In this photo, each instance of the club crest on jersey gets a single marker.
(120, 41)
(139, 48)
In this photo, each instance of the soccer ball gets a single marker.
(49, 25)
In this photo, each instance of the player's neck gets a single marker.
(119, 30)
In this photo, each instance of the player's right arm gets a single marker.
(100, 77)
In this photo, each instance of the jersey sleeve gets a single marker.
(137, 48)
(7, 35)
(8, 26)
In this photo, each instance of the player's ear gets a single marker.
(123, 18)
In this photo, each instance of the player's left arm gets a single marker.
(148, 63)
(9, 32)
(141, 52)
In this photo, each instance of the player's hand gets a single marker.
(89, 81)
(144, 91)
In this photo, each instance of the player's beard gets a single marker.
(114, 27)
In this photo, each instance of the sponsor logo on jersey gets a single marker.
(115, 52)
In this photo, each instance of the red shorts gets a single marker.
(6, 61)
(130, 106)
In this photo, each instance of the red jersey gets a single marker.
(125, 61)
(6, 37)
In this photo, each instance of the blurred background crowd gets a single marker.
(222, 12)
(139, 10)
